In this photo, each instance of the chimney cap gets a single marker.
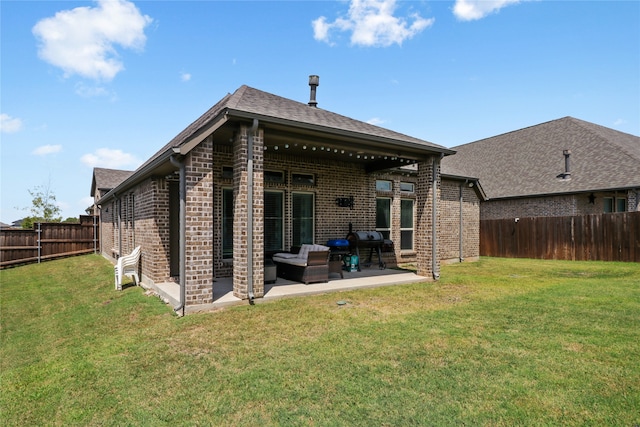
(314, 80)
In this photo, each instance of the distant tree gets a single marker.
(43, 207)
(72, 220)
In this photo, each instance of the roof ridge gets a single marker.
(511, 131)
(589, 127)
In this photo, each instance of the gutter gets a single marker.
(420, 145)
(252, 132)
(183, 229)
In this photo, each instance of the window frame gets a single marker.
(294, 240)
(405, 183)
(412, 229)
(386, 231)
(300, 178)
(227, 252)
(379, 186)
(282, 219)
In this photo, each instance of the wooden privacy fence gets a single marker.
(603, 237)
(48, 240)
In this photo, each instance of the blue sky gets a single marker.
(107, 83)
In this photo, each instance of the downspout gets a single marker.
(252, 132)
(183, 230)
(119, 209)
(434, 218)
(461, 223)
(101, 226)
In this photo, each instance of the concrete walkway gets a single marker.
(223, 287)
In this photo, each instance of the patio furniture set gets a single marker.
(312, 263)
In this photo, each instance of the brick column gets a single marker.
(199, 226)
(240, 214)
(424, 211)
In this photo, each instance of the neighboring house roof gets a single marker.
(281, 115)
(530, 161)
(107, 179)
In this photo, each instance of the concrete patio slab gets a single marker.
(223, 287)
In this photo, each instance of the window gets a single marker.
(227, 223)
(273, 221)
(275, 177)
(383, 217)
(303, 218)
(227, 172)
(608, 204)
(303, 178)
(406, 224)
(614, 204)
(384, 185)
(407, 187)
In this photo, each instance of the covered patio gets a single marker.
(223, 287)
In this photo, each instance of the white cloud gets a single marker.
(82, 40)
(47, 149)
(376, 121)
(108, 158)
(470, 10)
(9, 124)
(619, 122)
(372, 23)
(185, 77)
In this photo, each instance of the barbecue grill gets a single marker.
(372, 240)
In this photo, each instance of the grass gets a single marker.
(498, 342)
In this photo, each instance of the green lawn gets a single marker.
(498, 342)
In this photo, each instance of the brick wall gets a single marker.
(564, 205)
(424, 217)
(241, 221)
(152, 229)
(146, 220)
(199, 225)
(449, 226)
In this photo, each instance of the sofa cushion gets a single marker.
(291, 261)
(285, 255)
(304, 251)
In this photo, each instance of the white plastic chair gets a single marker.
(127, 265)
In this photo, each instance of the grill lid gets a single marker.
(368, 236)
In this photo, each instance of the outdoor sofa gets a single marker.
(306, 263)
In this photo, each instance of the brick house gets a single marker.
(564, 167)
(259, 173)
(103, 181)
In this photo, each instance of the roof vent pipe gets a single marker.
(314, 82)
(567, 164)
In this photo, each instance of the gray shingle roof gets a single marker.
(528, 161)
(106, 179)
(266, 106)
(261, 103)
(248, 103)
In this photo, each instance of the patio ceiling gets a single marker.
(374, 153)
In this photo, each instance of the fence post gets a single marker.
(39, 243)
